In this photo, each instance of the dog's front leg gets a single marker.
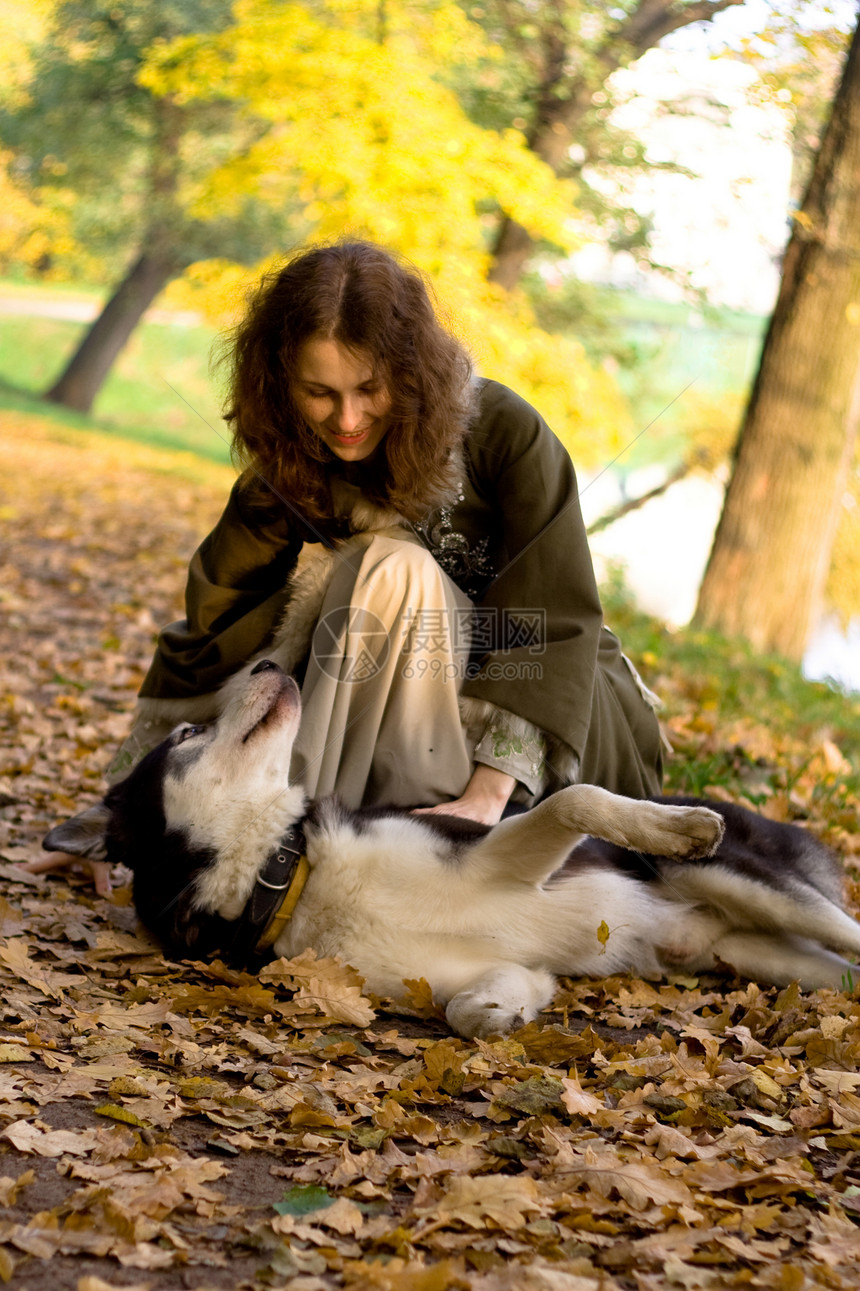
(532, 846)
(502, 1001)
(659, 828)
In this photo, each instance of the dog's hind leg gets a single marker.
(532, 846)
(795, 909)
(777, 960)
(503, 1000)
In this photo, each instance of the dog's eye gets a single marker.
(188, 732)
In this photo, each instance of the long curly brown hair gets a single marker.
(360, 295)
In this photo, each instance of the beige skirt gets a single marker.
(380, 696)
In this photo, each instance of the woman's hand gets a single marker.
(99, 871)
(484, 798)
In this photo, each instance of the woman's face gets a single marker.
(340, 398)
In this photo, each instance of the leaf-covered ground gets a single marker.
(175, 1125)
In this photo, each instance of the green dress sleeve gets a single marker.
(544, 592)
(233, 601)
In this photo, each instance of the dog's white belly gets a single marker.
(392, 937)
(397, 909)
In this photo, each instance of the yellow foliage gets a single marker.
(28, 230)
(23, 25)
(356, 133)
(710, 424)
(360, 132)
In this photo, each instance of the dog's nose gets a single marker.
(263, 666)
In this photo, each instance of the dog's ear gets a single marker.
(82, 835)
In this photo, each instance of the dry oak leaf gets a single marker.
(671, 1142)
(17, 959)
(706, 1039)
(833, 1239)
(15, 1053)
(836, 1082)
(342, 1217)
(341, 1001)
(112, 944)
(43, 1242)
(324, 985)
(122, 1017)
(639, 1184)
(441, 1058)
(504, 1200)
(580, 1103)
(397, 1275)
(419, 998)
(537, 1278)
(7, 1265)
(750, 1047)
(11, 921)
(554, 1046)
(9, 1188)
(215, 1001)
(29, 1137)
(846, 1112)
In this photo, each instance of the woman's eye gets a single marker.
(188, 732)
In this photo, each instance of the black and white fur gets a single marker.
(487, 916)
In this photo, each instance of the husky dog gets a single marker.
(228, 856)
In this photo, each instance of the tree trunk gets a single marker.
(512, 249)
(562, 100)
(766, 574)
(83, 376)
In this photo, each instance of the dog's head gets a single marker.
(198, 816)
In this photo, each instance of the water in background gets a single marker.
(664, 547)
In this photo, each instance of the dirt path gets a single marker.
(39, 305)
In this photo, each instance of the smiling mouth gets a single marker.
(350, 438)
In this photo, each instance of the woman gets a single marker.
(458, 655)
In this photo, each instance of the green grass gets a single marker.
(159, 392)
(719, 683)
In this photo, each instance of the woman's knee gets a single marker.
(408, 566)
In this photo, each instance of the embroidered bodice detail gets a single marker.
(466, 564)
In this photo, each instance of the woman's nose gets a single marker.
(349, 414)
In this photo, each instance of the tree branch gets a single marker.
(651, 20)
(633, 504)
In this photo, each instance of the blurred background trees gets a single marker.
(186, 144)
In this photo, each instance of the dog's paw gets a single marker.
(501, 1001)
(476, 1018)
(684, 833)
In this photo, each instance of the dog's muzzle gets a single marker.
(274, 897)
